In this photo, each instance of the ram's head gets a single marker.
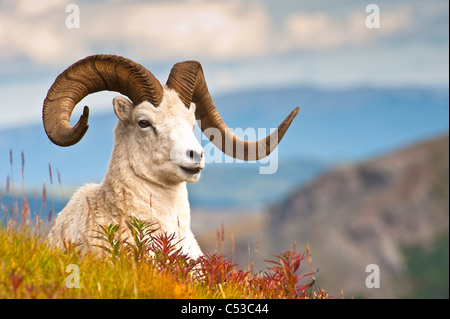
(155, 129)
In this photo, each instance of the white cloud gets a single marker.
(205, 30)
(215, 30)
(312, 31)
(29, 8)
(154, 31)
(31, 29)
(322, 31)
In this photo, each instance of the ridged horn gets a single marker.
(188, 80)
(93, 74)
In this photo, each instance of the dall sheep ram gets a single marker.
(155, 150)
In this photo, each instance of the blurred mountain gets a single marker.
(333, 126)
(223, 186)
(373, 213)
(342, 125)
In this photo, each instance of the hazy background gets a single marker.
(362, 93)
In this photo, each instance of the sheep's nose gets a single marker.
(195, 155)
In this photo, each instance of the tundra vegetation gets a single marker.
(149, 264)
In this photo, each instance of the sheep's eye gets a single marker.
(144, 123)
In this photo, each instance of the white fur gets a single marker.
(144, 177)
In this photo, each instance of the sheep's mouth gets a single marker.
(191, 171)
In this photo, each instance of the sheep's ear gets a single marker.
(123, 108)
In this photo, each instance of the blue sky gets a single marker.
(241, 44)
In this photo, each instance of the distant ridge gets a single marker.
(367, 214)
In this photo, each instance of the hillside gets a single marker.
(371, 213)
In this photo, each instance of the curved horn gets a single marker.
(188, 80)
(93, 74)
